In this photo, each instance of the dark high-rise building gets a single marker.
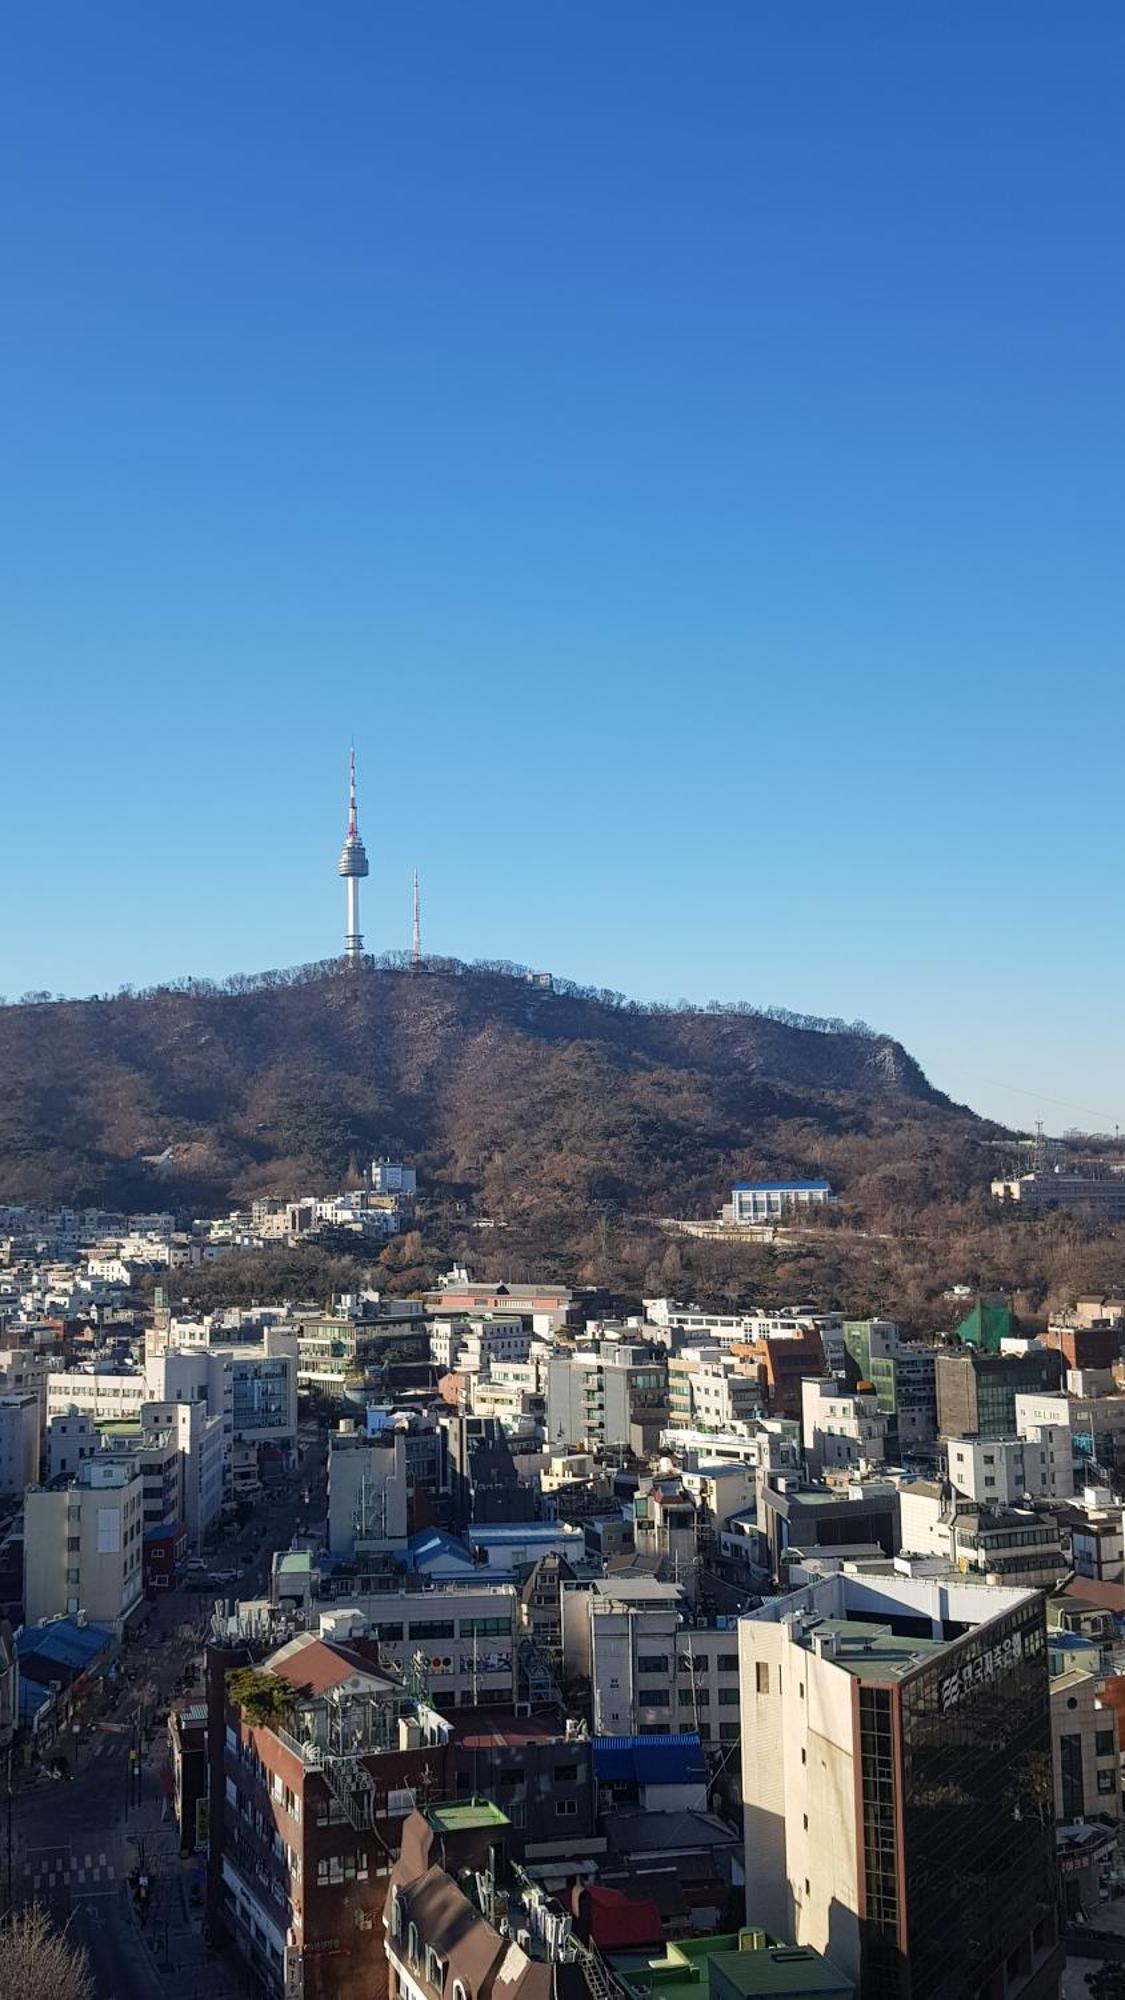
(976, 1392)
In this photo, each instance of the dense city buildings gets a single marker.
(751, 1640)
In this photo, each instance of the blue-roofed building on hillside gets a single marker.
(771, 1201)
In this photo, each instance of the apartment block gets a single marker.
(367, 1491)
(83, 1544)
(1004, 1471)
(842, 1430)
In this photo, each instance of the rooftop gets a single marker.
(871, 1652)
(750, 1961)
(190, 1715)
(624, 1588)
(64, 1640)
(840, 1496)
(497, 1729)
(518, 1531)
(466, 1816)
(780, 1187)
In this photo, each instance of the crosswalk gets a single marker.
(45, 1870)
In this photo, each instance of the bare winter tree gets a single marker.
(38, 1963)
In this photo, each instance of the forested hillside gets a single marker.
(514, 1098)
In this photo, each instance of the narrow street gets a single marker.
(72, 1844)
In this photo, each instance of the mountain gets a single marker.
(512, 1095)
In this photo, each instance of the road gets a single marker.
(75, 1843)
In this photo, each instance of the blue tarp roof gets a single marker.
(519, 1531)
(429, 1543)
(649, 1760)
(72, 1645)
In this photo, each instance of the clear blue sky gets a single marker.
(685, 445)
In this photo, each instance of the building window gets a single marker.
(1070, 1763)
(653, 1663)
(1104, 1743)
(762, 1678)
(412, 1944)
(1107, 1781)
(566, 1808)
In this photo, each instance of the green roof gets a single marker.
(735, 1966)
(294, 1560)
(874, 1652)
(780, 1968)
(466, 1816)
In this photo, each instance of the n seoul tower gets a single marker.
(352, 865)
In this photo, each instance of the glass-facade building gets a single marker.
(958, 1840)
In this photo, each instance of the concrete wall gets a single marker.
(19, 1442)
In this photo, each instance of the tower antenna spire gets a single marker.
(352, 865)
(416, 929)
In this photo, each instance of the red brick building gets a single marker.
(307, 1810)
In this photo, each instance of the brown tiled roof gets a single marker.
(497, 1729)
(1104, 1596)
(313, 1666)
